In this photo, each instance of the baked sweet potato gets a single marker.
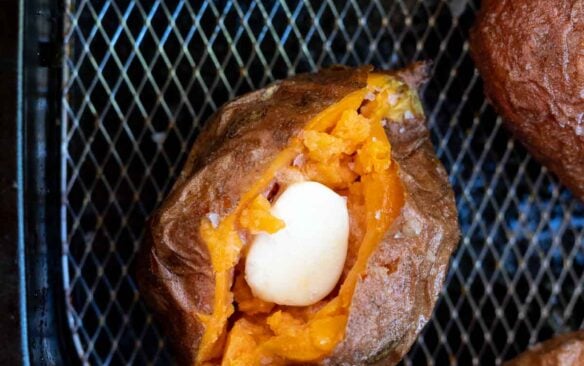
(359, 133)
(563, 350)
(530, 54)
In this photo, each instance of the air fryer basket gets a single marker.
(140, 77)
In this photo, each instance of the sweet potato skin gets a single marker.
(234, 148)
(563, 350)
(530, 54)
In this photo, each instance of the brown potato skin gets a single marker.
(563, 350)
(530, 54)
(404, 276)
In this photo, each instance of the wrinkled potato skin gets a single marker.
(564, 350)
(530, 54)
(405, 274)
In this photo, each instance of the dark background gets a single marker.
(9, 325)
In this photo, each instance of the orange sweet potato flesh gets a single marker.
(256, 218)
(225, 245)
(304, 335)
(310, 337)
(322, 127)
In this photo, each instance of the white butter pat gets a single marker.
(301, 264)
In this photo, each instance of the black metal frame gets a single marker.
(42, 300)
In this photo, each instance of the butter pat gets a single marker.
(301, 264)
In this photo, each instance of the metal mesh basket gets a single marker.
(141, 76)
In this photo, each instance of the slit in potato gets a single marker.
(346, 149)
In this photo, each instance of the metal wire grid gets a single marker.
(140, 77)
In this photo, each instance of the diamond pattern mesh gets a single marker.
(140, 78)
